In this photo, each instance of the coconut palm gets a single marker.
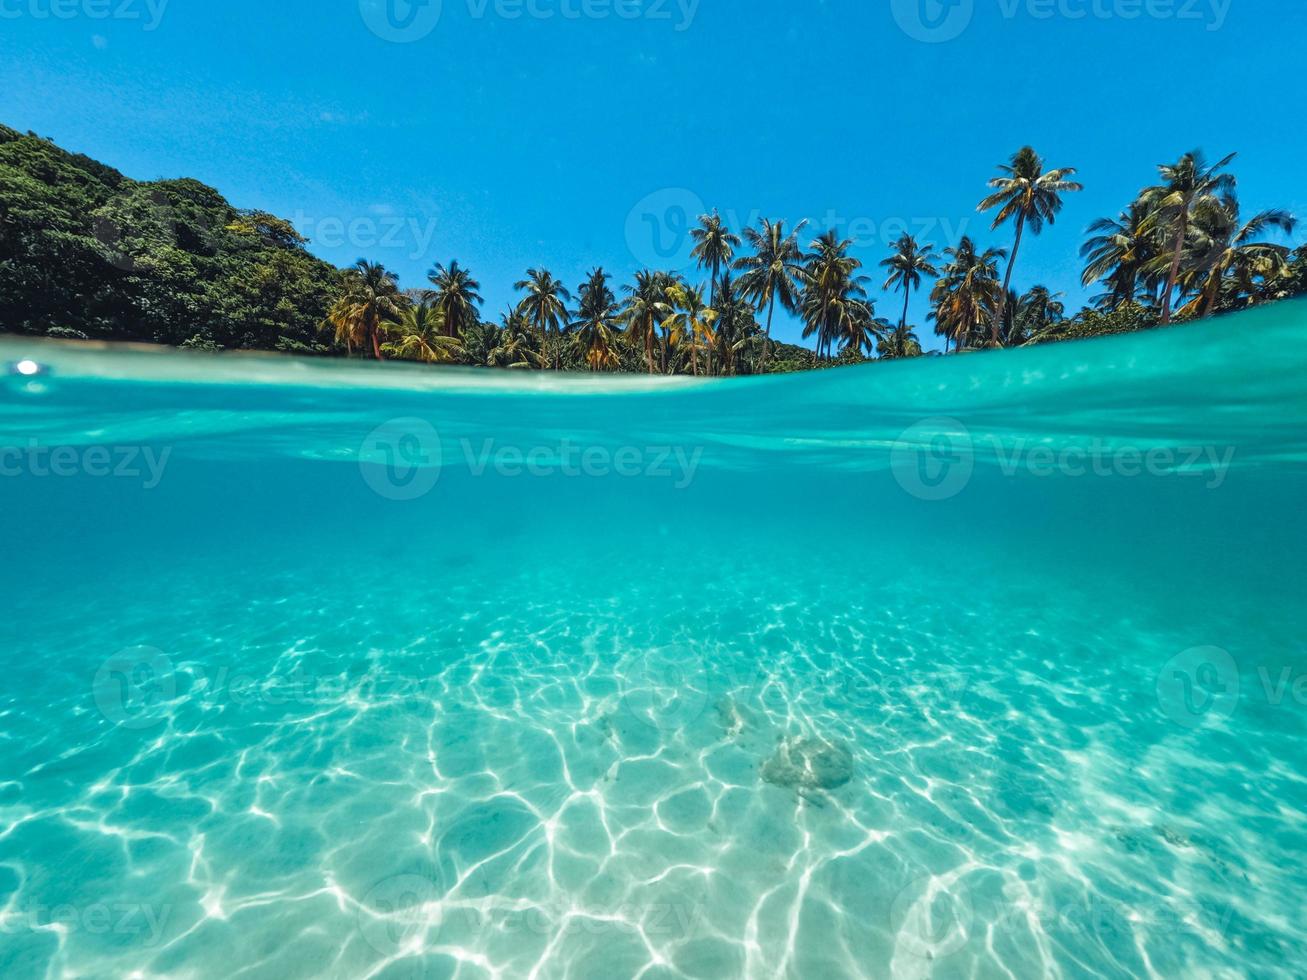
(899, 342)
(545, 306)
(907, 264)
(1036, 313)
(714, 246)
(1119, 253)
(772, 272)
(645, 310)
(736, 324)
(418, 335)
(596, 323)
(1187, 185)
(1225, 257)
(370, 295)
(1025, 192)
(455, 296)
(691, 320)
(517, 345)
(834, 303)
(966, 294)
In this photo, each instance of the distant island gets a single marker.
(87, 253)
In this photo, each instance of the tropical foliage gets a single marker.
(88, 253)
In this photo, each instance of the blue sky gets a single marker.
(567, 133)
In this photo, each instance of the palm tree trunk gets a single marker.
(648, 347)
(376, 343)
(1174, 274)
(1007, 280)
(766, 338)
(712, 291)
(907, 294)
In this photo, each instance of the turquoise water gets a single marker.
(990, 666)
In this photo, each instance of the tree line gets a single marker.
(87, 252)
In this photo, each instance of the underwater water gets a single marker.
(990, 666)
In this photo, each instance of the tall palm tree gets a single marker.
(545, 306)
(370, 295)
(735, 325)
(1225, 253)
(646, 309)
(516, 344)
(772, 273)
(1036, 313)
(907, 264)
(1119, 252)
(691, 320)
(455, 296)
(714, 246)
(1025, 192)
(1188, 184)
(898, 342)
(595, 326)
(966, 294)
(420, 336)
(834, 303)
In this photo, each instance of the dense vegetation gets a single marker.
(88, 253)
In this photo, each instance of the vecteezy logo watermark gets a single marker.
(666, 688)
(933, 459)
(658, 228)
(134, 687)
(932, 21)
(931, 917)
(150, 11)
(936, 21)
(143, 463)
(401, 458)
(400, 913)
(381, 229)
(1199, 686)
(405, 21)
(401, 21)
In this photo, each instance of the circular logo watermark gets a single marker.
(658, 228)
(933, 21)
(666, 688)
(933, 459)
(400, 913)
(400, 459)
(134, 686)
(1199, 686)
(931, 921)
(401, 21)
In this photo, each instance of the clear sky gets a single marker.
(570, 133)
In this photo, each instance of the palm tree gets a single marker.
(646, 308)
(1024, 191)
(692, 320)
(1037, 312)
(421, 336)
(370, 295)
(1119, 253)
(516, 345)
(735, 325)
(1187, 185)
(455, 297)
(899, 342)
(773, 272)
(1225, 253)
(545, 306)
(714, 246)
(907, 264)
(596, 322)
(966, 294)
(834, 303)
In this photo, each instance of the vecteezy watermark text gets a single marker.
(571, 459)
(407, 21)
(149, 11)
(937, 21)
(934, 459)
(146, 922)
(144, 463)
